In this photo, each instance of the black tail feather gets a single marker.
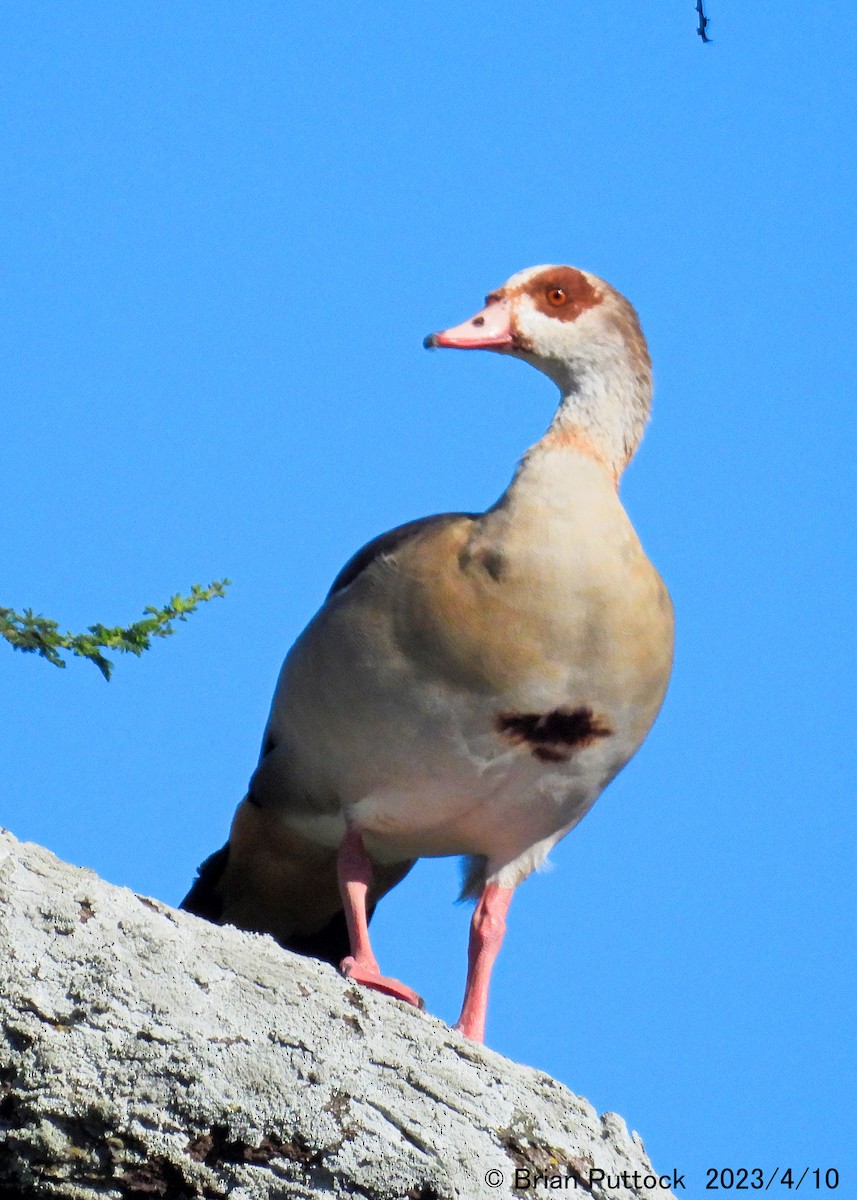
(204, 899)
(331, 944)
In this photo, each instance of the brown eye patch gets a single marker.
(562, 293)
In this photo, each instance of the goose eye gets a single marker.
(556, 296)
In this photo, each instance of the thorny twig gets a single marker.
(703, 21)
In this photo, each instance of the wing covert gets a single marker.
(386, 543)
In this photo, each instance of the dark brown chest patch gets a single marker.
(553, 736)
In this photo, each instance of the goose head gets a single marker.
(585, 336)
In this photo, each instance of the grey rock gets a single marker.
(147, 1053)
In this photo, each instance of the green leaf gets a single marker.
(33, 634)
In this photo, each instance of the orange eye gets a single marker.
(556, 296)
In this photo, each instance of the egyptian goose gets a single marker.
(473, 681)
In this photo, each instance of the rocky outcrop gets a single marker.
(145, 1053)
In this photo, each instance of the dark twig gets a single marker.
(703, 21)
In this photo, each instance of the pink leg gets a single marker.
(486, 936)
(355, 875)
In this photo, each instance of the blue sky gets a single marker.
(225, 231)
